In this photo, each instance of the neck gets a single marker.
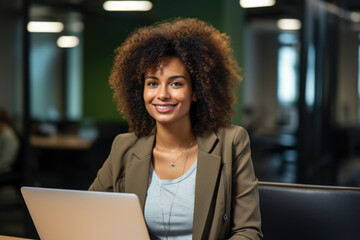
(171, 137)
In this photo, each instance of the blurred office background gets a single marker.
(299, 98)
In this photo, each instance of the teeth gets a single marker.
(165, 107)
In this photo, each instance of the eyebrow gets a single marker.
(170, 78)
(176, 76)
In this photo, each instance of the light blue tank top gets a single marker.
(182, 212)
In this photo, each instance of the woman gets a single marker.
(191, 169)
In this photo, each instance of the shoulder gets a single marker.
(125, 138)
(129, 142)
(235, 133)
(123, 142)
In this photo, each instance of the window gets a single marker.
(288, 58)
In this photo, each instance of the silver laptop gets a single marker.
(60, 214)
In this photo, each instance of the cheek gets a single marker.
(147, 96)
(185, 97)
(147, 102)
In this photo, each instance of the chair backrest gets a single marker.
(306, 212)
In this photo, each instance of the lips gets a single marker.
(164, 108)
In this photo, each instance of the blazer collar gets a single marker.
(144, 146)
(207, 142)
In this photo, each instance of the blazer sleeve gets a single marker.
(109, 177)
(246, 218)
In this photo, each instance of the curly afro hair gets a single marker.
(205, 53)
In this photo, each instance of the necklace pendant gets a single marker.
(172, 164)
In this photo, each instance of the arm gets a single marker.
(246, 219)
(104, 180)
(111, 175)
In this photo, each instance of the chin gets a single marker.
(164, 121)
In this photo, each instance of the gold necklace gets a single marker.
(172, 163)
(167, 230)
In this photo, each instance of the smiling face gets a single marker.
(168, 92)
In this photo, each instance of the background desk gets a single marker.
(11, 238)
(60, 142)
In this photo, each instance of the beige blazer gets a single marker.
(226, 195)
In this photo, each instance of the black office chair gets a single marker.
(307, 212)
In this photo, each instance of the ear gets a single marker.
(194, 97)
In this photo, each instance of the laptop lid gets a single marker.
(60, 214)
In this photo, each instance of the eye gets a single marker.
(176, 84)
(151, 83)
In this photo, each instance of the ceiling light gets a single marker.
(127, 5)
(256, 3)
(45, 27)
(67, 41)
(289, 24)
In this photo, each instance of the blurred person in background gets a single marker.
(9, 143)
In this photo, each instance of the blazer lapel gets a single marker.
(206, 176)
(137, 174)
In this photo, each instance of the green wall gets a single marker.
(233, 19)
(104, 32)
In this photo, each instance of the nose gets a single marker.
(163, 93)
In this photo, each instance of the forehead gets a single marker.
(168, 65)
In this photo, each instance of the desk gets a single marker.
(12, 238)
(60, 142)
